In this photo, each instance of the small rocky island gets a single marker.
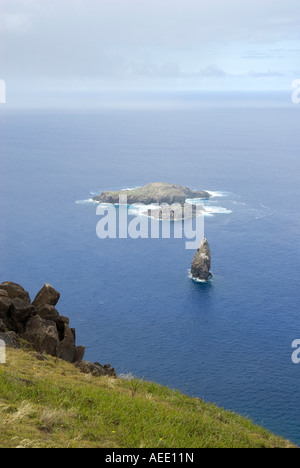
(202, 262)
(158, 193)
(170, 198)
(40, 325)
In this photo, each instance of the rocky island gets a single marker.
(157, 192)
(202, 262)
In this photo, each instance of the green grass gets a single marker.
(51, 404)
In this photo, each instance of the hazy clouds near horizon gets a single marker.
(150, 44)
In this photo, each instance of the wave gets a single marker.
(210, 210)
(86, 202)
(130, 189)
(217, 194)
(213, 210)
(197, 280)
(140, 210)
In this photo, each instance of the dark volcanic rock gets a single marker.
(14, 290)
(47, 312)
(87, 367)
(66, 347)
(42, 334)
(79, 353)
(5, 305)
(10, 339)
(41, 325)
(46, 296)
(202, 262)
(97, 370)
(61, 323)
(21, 310)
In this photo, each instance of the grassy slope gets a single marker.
(50, 404)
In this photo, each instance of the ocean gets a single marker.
(131, 301)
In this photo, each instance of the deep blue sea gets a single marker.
(131, 301)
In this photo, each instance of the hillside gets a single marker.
(46, 404)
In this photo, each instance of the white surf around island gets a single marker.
(89, 201)
(197, 280)
(217, 194)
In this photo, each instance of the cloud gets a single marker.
(257, 56)
(192, 40)
(267, 74)
(173, 23)
(212, 71)
(17, 23)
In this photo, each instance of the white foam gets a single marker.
(217, 194)
(213, 210)
(197, 280)
(209, 210)
(130, 189)
(140, 210)
(196, 201)
(86, 202)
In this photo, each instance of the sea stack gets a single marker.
(202, 262)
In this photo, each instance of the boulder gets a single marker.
(21, 310)
(41, 325)
(61, 323)
(10, 339)
(42, 334)
(3, 326)
(79, 353)
(47, 312)
(96, 370)
(5, 305)
(14, 290)
(202, 262)
(110, 371)
(46, 296)
(66, 347)
(87, 367)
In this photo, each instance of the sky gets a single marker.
(149, 45)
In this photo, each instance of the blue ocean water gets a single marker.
(131, 301)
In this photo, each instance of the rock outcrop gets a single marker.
(38, 322)
(202, 262)
(97, 370)
(153, 193)
(46, 296)
(14, 290)
(41, 325)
